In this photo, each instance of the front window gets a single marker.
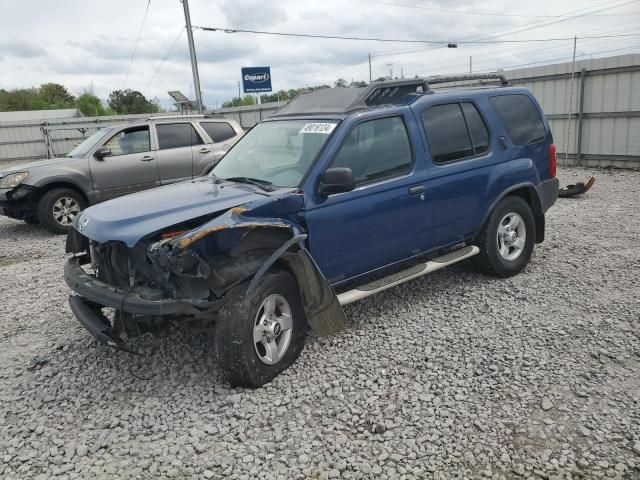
(130, 140)
(278, 152)
(87, 145)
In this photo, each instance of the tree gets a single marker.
(90, 105)
(130, 101)
(54, 95)
(358, 83)
(239, 102)
(341, 82)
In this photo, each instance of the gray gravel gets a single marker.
(455, 375)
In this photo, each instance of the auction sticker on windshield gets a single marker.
(325, 128)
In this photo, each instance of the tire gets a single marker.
(68, 203)
(244, 362)
(507, 239)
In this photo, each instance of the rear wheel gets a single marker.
(507, 239)
(260, 333)
(58, 207)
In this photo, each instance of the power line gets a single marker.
(458, 12)
(396, 40)
(580, 12)
(135, 47)
(165, 58)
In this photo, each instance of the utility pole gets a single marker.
(192, 53)
(369, 68)
(470, 69)
(573, 71)
(390, 65)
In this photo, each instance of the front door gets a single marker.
(383, 220)
(130, 167)
(175, 151)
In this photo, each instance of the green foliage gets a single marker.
(239, 102)
(48, 96)
(131, 101)
(90, 105)
(339, 83)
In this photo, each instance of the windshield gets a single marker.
(278, 152)
(84, 148)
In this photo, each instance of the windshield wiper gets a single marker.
(263, 184)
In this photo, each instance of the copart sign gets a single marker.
(256, 79)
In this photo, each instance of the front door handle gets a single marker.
(146, 158)
(205, 150)
(417, 189)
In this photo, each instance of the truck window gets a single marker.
(375, 150)
(520, 117)
(447, 133)
(477, 128)
(218, 131)
(130, 140)
(177, 135)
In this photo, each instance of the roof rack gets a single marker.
(178, 117)
(461, 78)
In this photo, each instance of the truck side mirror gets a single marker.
(336, 180)
(102, 152)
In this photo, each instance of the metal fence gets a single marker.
(595, 118)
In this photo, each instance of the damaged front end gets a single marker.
(187, 273)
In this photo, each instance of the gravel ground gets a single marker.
(454, 375)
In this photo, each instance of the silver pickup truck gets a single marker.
(115, 161)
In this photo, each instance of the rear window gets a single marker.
(218, 131)
(520, 117)
(177, 135)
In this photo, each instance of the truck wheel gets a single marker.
(58, 207)
(507, 239)
(260, 333)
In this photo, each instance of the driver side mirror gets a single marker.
(102, 152)
(336, 180)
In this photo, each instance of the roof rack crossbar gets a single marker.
(460, 78)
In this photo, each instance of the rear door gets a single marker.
(461, 150)
(130, 167)
(176, 142)
(222, 136)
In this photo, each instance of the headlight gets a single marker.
(13, 179)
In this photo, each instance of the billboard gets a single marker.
(256, 79)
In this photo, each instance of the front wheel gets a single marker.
(58, 207)
(507, 239)
(260, 333)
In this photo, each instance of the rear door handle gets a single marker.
(417, 189)
(205, 150)
(146, 158)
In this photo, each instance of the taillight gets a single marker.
(552, 160)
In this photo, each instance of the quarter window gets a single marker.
(177, 135)
(218, 131)
(520, 117)
(375, 150)
(447, 133)
(477, 128)
(130, 140)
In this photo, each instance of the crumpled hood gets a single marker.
(129, 218)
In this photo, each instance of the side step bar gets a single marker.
(416, 271)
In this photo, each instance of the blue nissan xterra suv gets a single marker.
(341, 194)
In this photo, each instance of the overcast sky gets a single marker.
(88, 44)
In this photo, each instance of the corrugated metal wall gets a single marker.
(604, 132)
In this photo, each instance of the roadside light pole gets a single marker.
(192, 53)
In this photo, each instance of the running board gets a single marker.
(416, 271)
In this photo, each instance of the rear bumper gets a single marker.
(105, 295)
(18, 202)
(548, 193)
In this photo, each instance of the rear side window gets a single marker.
(177, 135)
(520, 117)
(218, 131)
(447, 133)
(477, 128)
(375, 150)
